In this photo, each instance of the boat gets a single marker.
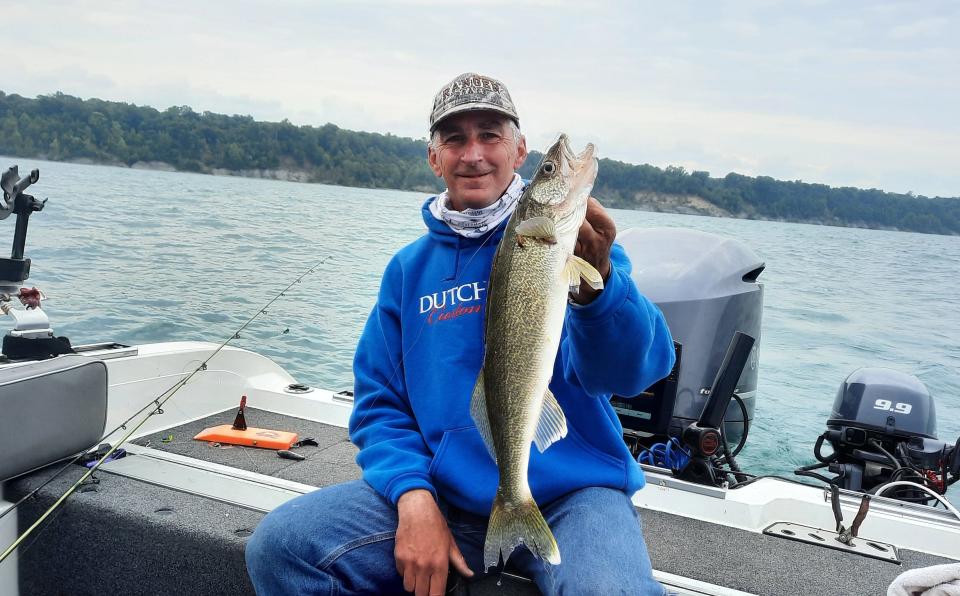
(165, 513)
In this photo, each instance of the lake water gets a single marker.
(142, 256)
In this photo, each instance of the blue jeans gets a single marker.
(340, 540)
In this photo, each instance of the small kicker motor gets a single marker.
(883, 429)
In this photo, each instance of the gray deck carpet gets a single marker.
(763, 564)
(128, 537)
(331, 462)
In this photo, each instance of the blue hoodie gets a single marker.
(422, 348)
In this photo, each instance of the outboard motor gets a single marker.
(706, 285)
(883, 429)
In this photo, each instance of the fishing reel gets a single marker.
(882, 438)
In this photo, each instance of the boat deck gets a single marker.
(153, 539)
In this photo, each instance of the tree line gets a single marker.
(62, 128)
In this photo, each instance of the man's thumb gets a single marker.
(457, 560)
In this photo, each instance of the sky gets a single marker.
(846, 93)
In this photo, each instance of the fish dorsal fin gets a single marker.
(577, 268)
(552, 425)
(478, 411)
(538, 227)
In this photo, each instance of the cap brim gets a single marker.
(474, 107)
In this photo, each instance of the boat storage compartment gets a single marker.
(50, 410)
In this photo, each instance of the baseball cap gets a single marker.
(471, 91)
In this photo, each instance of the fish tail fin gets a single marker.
(514, 524)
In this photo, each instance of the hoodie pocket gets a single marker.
(574, 435)
(573, 463)
(462, 470)
(442, 448)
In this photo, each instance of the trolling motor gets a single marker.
(882, 432)
(31, 336)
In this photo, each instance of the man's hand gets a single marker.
(596, 236)
(425, 548)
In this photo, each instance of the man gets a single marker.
(428, 481)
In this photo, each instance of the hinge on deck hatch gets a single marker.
(843, 538)
(861, 546)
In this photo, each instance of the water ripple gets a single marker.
(159, 256)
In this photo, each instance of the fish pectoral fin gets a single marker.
(572, 273)
(541, 228)
(576, 268)
(478, 411)
(552, 425)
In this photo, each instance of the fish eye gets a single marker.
(548, 168)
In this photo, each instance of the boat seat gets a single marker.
(50, 410)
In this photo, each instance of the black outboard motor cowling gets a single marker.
(882, 402)
(883, 429)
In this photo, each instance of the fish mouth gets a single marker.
(568, 162)
(575, 162)
(576, 172)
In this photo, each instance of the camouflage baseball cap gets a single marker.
(471, 91)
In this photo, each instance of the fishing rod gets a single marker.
(155, 406)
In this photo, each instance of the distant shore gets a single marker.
(65, 128)
(655, 202)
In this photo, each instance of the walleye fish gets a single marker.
(512, 406)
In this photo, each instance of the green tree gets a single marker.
(62, 127)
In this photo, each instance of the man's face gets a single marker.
(476, 154)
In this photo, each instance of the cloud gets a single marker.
(921, 28)
(841, 91)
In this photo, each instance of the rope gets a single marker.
(671, 455)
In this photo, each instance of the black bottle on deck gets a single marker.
(240, 422)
